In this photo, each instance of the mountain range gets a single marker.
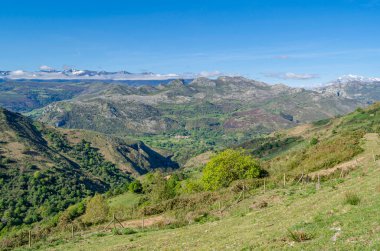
(185, 117)
(77, 138)
(364, 89)
(47, 73)
(210, 113)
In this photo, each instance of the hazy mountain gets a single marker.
(363, 89)
(23, 95)
(211, 112)
(231, 103)
(47, 73)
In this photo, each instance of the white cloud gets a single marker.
(46, 68)
(291, 75)
(17, 73)
(208, 74)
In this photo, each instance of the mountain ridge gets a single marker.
(212, 112)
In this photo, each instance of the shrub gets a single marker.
(100, 234)
(321, 122)
(299, 235)
(135, 187)
(159, 188)
(352, 198)
(228, 166)
(96, 210)
(205, 218)
(128, 231)
(192, 186)
(314, 141)
(116, 231)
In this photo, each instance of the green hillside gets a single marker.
(321, 191)
(44, 170)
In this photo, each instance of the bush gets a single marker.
(116, 231)
(160, 188)
(314, 141)
(299, 235)
(352, 198)
(228, 166)
(205, 218)
(135, 187)
(128, 231)
(192, 186)
(96, 210)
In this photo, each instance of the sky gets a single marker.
(296, 42)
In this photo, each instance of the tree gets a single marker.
(96, 210)
(158, 187)
(314, 141)
(228, 166)
(135, 187)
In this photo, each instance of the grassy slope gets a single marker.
(125, 200)
(299, 207)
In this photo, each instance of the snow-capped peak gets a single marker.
(355, 78)
(48, 73)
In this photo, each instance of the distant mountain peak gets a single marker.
(364, 89)
(356, 78)
(177, 83)
(48, 73)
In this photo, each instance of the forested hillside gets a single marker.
(44, 170)
(281, 174)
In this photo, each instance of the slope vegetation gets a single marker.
(313, 198)
(44, 170)
(296, 217)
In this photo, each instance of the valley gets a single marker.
(127, 155)
(188, 119)
(338, 211)
(189, 125)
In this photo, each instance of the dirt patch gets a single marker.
(343, 168)
(74, 137)
(299, 130)
(199, 160)
(159, 219)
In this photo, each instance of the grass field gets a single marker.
(342, 215)
(125, 200)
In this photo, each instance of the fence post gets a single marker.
(373, 155)
(264, 185)
(30, 238)
(318, 186)
(284, 180)
(243, 191)
(142, 221)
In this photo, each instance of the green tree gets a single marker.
(96, 210)
(228, 166)
(314, 141)
(135, 186)
(160, 188)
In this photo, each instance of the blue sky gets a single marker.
(295, 42)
